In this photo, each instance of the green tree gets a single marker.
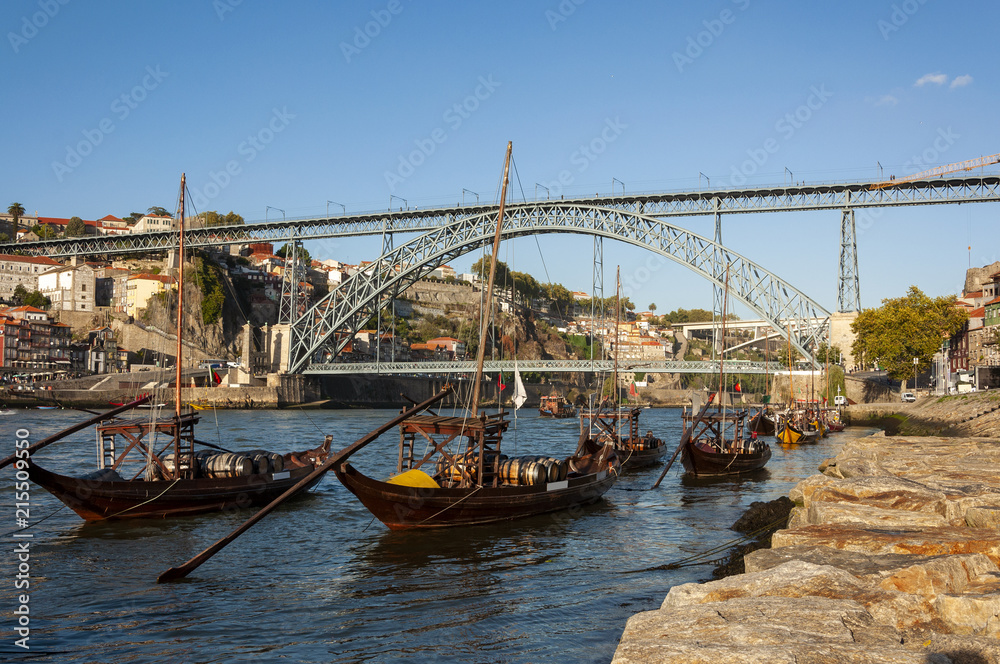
(679, 316)
(213, 218)
(158, 211)
(904, 328)
(20, 292)
(132, 217)
(652, 307)
(44, 232)
(76, 227)
(301, 253)
(16, 211)
(37, 300)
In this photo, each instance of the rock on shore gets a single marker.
(891, 555)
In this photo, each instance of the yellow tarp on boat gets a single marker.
(415, 478)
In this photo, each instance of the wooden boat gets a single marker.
(476, 483)
(715, 445)
(150, 467)
(788, 433)
(636, 450)
(762, 422)
(479, 485)
(557, 407)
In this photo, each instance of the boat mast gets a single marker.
(722, 356)
(485, 316)
(180, 317)
(618, 351)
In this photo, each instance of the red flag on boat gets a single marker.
(215, 377)
(631, 389)
(500, 381)
(737, 387)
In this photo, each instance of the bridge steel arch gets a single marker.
(349, 306)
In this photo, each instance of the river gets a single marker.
(319, 581)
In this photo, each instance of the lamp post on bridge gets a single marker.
(471, 192)
(708, 183)
(613, 180)
(543, 187)
(271, 207)
(392, 196)
(335, 203)
(791, 178)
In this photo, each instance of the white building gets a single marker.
(70, 288)
(152, 223)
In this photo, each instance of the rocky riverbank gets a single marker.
(892, 554)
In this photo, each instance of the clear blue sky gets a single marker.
(304, 110)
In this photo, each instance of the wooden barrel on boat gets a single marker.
(510, 471)
(277, 462)
(168, 461)
(469, 463)
(226, 464)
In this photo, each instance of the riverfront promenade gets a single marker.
(891, 554)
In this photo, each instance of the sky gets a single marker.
(295, 108)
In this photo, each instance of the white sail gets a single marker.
(520, 395)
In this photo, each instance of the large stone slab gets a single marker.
(946, 540)
(801, 579)
(786, 631)
(887, 492)
(862, 515)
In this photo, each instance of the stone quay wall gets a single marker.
(891, 554)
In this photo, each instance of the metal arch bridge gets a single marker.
(833, 196)
(553, 366)
(332, 322)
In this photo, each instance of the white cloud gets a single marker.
(961, 81)
(886, 100)
(937, 79)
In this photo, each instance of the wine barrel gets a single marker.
(277, 462)
(227, 464)
(261, 463)
(509, 471)
(532, 472)
(168, 461)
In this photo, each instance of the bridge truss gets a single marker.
(548, 366)
(332, 322)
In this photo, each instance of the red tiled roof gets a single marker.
(110, 217)
(977, 313)
(59, 221)
(40, 260)
(976, 294)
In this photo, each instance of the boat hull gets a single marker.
(639, 458)
(402, 507)
(762, 424)
(100, 500)
(699, 461)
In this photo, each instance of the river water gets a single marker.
(319, 581)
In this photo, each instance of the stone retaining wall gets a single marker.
(891, 555)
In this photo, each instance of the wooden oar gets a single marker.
(685, 438)
(175, 573)
(77, 427)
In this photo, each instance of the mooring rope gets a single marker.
(702, 558)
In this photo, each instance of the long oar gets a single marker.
(180, 572)
(77, 427)
(685, 438)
